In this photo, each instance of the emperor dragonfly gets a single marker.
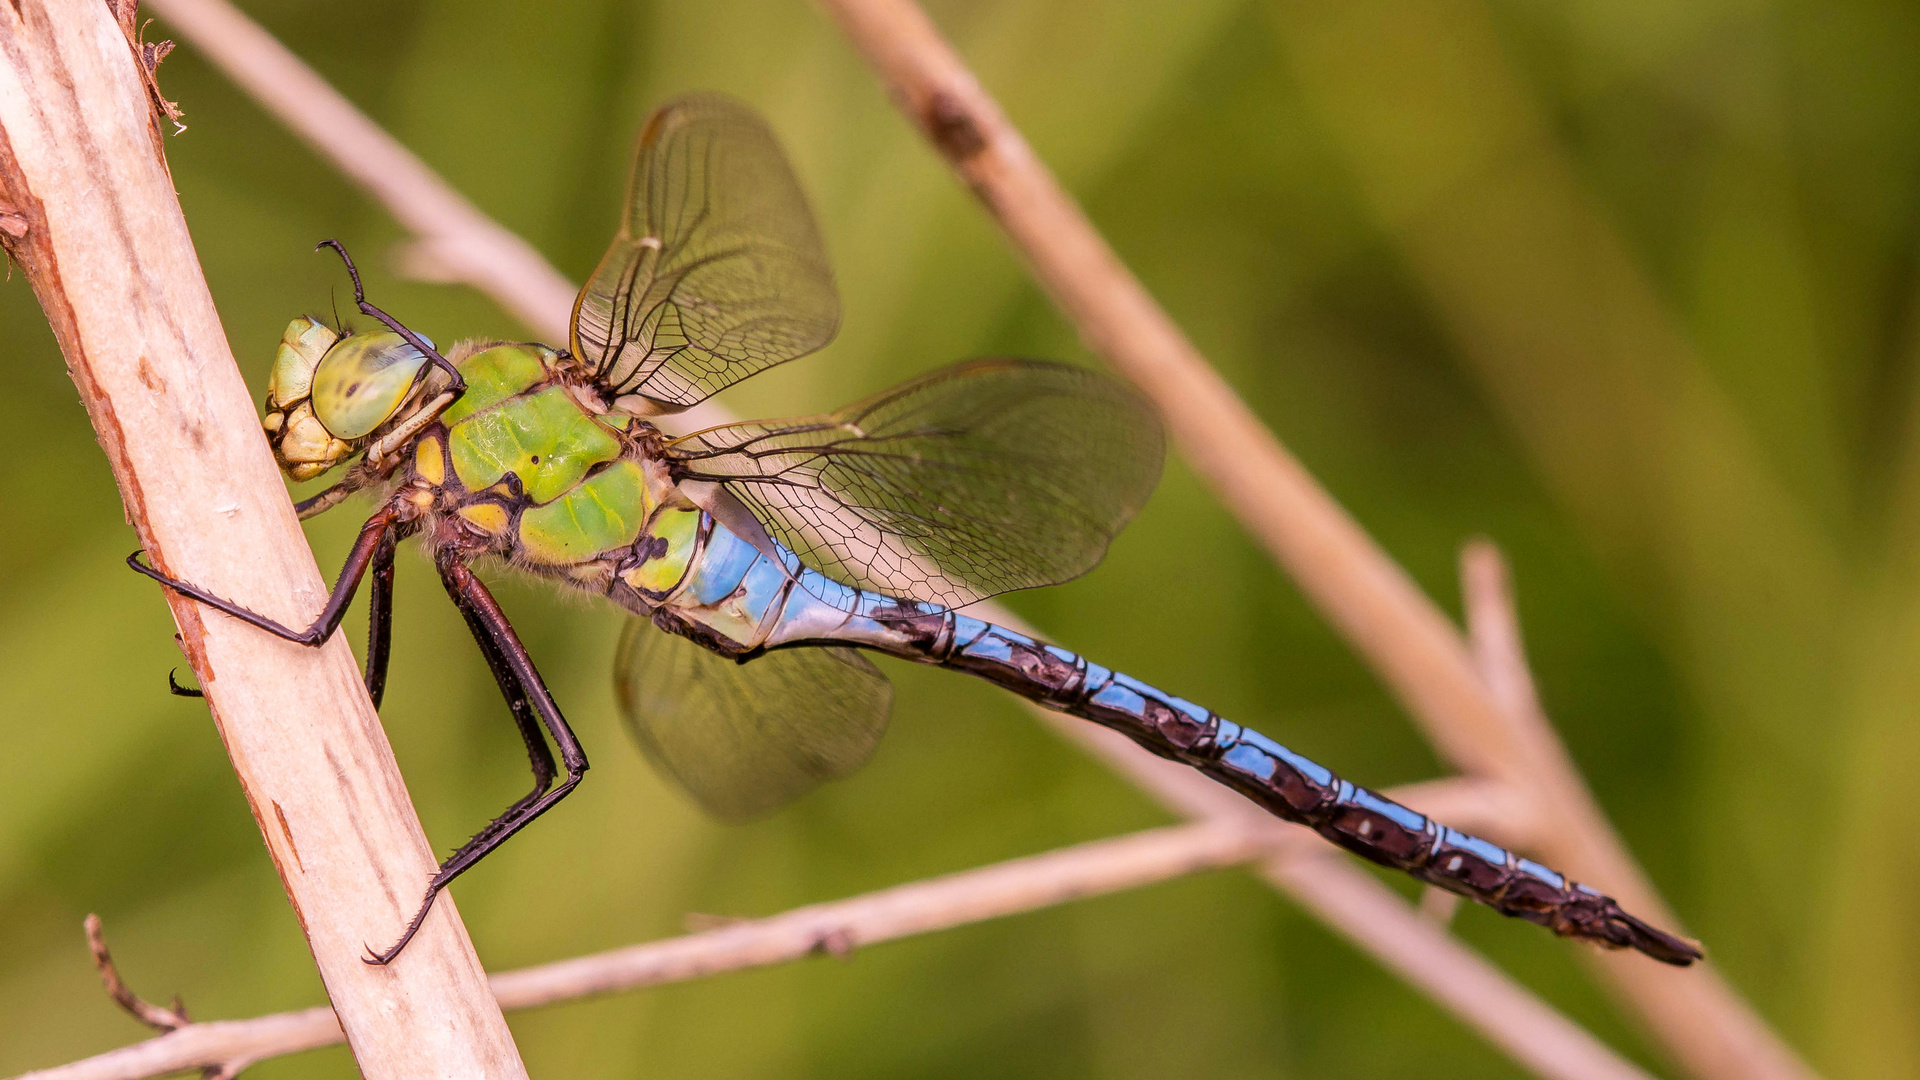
(765, 554)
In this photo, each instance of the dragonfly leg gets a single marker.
(459, 385)
(324, 501)
(380, 618)
(530, 701)
(524, 717)
(372, 536)
(379, 627)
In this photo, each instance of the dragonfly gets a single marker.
(760, 561)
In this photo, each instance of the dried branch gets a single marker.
(503, 267)
(1530, 1030)
(1396, 628)
(1355, 583)
(840, 927)
(833, 928)
(142, 1010)
(101, 238)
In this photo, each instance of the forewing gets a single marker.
(743, 739)
(717, 272)
(973, 480)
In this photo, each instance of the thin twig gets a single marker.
(146, 1012)
(107, 252)
(1353, 581)
(1535, 1034)
(840, 927)
(1370, 599)
(735, 944)
(415, 195)
(142, 1010)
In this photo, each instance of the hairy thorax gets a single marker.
(529, 466)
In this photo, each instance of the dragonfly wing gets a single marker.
(743, 739)
(975, 479)
(718, 270)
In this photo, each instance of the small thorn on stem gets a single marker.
(144, 1011)
(837, 943)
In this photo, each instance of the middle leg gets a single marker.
(375, 537)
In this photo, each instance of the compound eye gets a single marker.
(362, 380)
(307, 340)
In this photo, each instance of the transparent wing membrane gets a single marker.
(743, 739)
(718, 271)
(973, 480)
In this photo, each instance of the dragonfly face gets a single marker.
(330, 392)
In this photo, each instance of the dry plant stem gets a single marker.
(1401, 633)
(833, 928)
(142, 1010)
(1406, 638)
(1554, 1047)
(414, 194)
(107, 252)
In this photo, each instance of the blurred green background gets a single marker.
(1628, 287)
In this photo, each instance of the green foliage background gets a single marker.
(1628, 287)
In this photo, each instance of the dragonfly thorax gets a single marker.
(526, 468)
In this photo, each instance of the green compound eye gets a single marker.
(362, 380)
(307, 340)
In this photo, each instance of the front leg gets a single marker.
(372, 541)
(379, 625)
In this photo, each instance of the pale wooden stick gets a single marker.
(104, 245)
(1395, 627)
(1377, 919)
(836, 928)
(232, 43)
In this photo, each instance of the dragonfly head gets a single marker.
(330, 392)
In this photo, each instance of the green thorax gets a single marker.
(532, 466)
